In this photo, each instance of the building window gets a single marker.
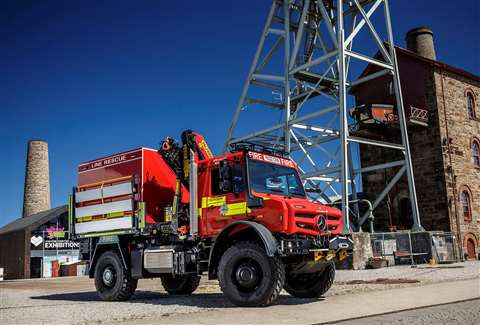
(476, 153)
(470, 105)
(466, 205)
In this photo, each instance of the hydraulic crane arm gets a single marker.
(178, 157)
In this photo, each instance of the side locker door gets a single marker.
(223, 208)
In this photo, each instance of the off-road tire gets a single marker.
(271, 275)
(312, 285)
(180, 284)
(123, 286)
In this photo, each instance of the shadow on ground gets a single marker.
(202, 300)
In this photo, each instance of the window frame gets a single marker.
(215, 178)
(470, 97)
(475, 158)
(466, 213)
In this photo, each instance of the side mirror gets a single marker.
(237, 185)
(225, 178)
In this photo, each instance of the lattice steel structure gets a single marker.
(296, 97)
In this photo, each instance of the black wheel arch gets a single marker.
(101, 248)
(225, 239)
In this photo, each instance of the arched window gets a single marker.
(466, 205)
(470, 105)
(476, 153)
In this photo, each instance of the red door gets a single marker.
(222, 208)
(471, 249)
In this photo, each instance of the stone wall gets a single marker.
(426, 150)
(443, 165)
(460, 171)
(15, 254)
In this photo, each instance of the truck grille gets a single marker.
(305, 215)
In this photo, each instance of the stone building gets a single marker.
(443, 113)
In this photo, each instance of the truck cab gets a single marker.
(179, 212)
(263, 188)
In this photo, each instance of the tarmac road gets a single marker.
(461, 313)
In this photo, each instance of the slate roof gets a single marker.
(34, 220)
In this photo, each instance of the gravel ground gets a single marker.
(73, 300)
(424, 274)
(461, 313)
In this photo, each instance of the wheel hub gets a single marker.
(247, 276)
(108, 276)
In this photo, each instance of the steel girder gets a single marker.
(296, 95)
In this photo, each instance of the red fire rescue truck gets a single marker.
(178, 212)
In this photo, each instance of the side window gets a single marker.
(216, 182)
(238, 183)
(237, 180)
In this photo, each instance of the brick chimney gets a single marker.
(420, 41)
(36, 197)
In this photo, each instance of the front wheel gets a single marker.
(249, 277)
(310, 285)
(180, 284)
(112, 281)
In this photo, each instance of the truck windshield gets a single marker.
(274, 179)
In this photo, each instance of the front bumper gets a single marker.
(305, 246)
(311, 255)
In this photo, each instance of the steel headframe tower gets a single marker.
(296, 96)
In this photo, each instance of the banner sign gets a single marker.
(54, 232)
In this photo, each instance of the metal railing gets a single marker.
(418, 116)
(414, 247)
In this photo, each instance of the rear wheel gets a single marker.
(112, 281)
(180, 284)
(249, 277)
(310, 285)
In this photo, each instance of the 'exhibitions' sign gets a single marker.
(61, 244)
(40, 243)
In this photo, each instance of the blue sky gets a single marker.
(97, 77)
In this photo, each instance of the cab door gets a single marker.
(228, 204)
